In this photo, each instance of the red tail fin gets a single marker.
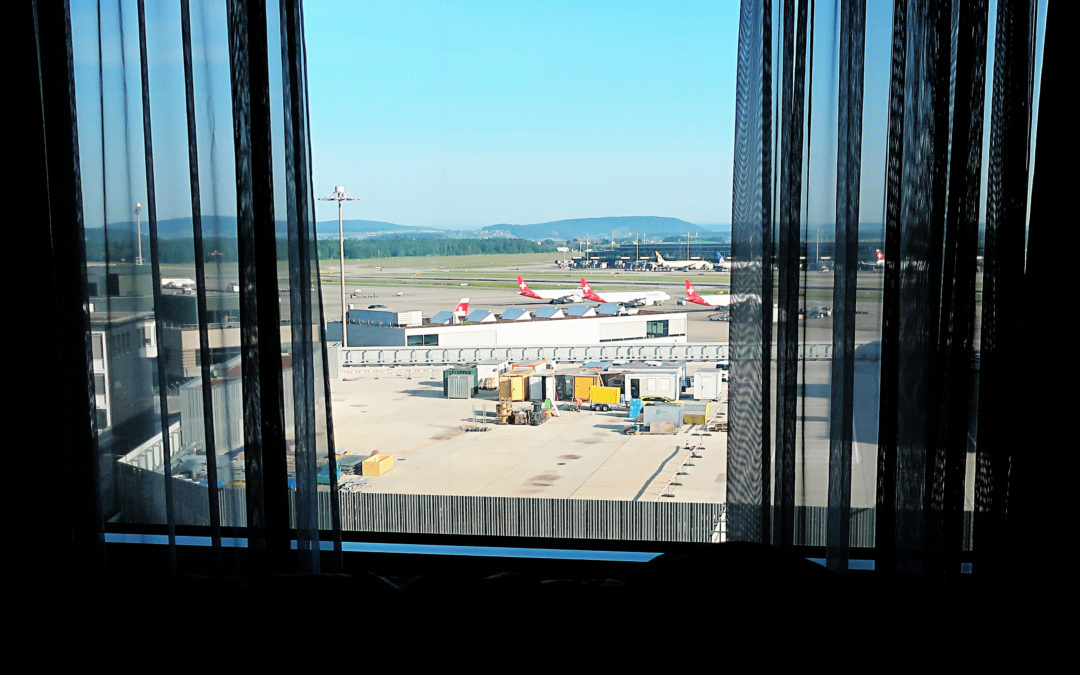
(523, 289)
(880, 255)
(462, 306)
(588, 292)
(692, 294)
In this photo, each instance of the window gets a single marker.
(655, 329)
(807, 435)
(426, 340)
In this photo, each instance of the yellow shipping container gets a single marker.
(377, 465)
(514, 385)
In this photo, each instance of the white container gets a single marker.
(707, 385)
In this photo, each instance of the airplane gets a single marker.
(631, 298)
(682, 264)
(721, 264)
(714, 300)
(877, 266)
(462, 308)
(555, 296)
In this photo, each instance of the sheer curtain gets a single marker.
(199, 279)
(895, 399)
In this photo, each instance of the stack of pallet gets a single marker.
(350, 464)
(503, 410)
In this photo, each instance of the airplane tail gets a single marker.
(719, 258)
(588, 292)
(523, 289)
(659, 258)
(692, 294)
(462, 307)
(880, 255)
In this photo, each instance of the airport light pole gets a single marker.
(138, 233)
(339, 195)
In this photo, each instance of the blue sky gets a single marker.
(464, 113)
(471, 113)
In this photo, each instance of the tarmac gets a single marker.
(577, 455)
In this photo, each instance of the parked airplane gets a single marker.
(462, 308)
(555, 296)
(682, 264)
(721, 264)
(631, 298)
(178, 283)
(877, 266)
(713, 300)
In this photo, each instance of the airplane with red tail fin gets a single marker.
(712, 300)
(632, 298)
(554, 296)
(877, 266)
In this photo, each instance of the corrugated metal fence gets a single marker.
(142, 497)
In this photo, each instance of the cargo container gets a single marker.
(696, 412)
(514, 385)
(583, 385)
(549, 388)
(461, 370)
(652, 383)
(537, 366)
(661, 413)
(707, 385)
(491, 369)
(459, 386)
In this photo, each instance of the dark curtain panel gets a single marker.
(205, 378)
(748, 458)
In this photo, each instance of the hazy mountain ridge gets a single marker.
(600, 228)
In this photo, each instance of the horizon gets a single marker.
(459, 116)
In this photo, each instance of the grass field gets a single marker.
(450, 262)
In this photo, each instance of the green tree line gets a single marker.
(223, 249)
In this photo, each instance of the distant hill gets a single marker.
(597, 228)
(171, 228)
(613, 226)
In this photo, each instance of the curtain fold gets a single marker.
(911, 357)
(748, 451)
(207, 373)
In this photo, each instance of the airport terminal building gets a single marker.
(574, 325)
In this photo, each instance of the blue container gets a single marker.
(635, 408)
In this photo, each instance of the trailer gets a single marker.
(604, 398)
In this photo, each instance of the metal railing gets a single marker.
(690, 351)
